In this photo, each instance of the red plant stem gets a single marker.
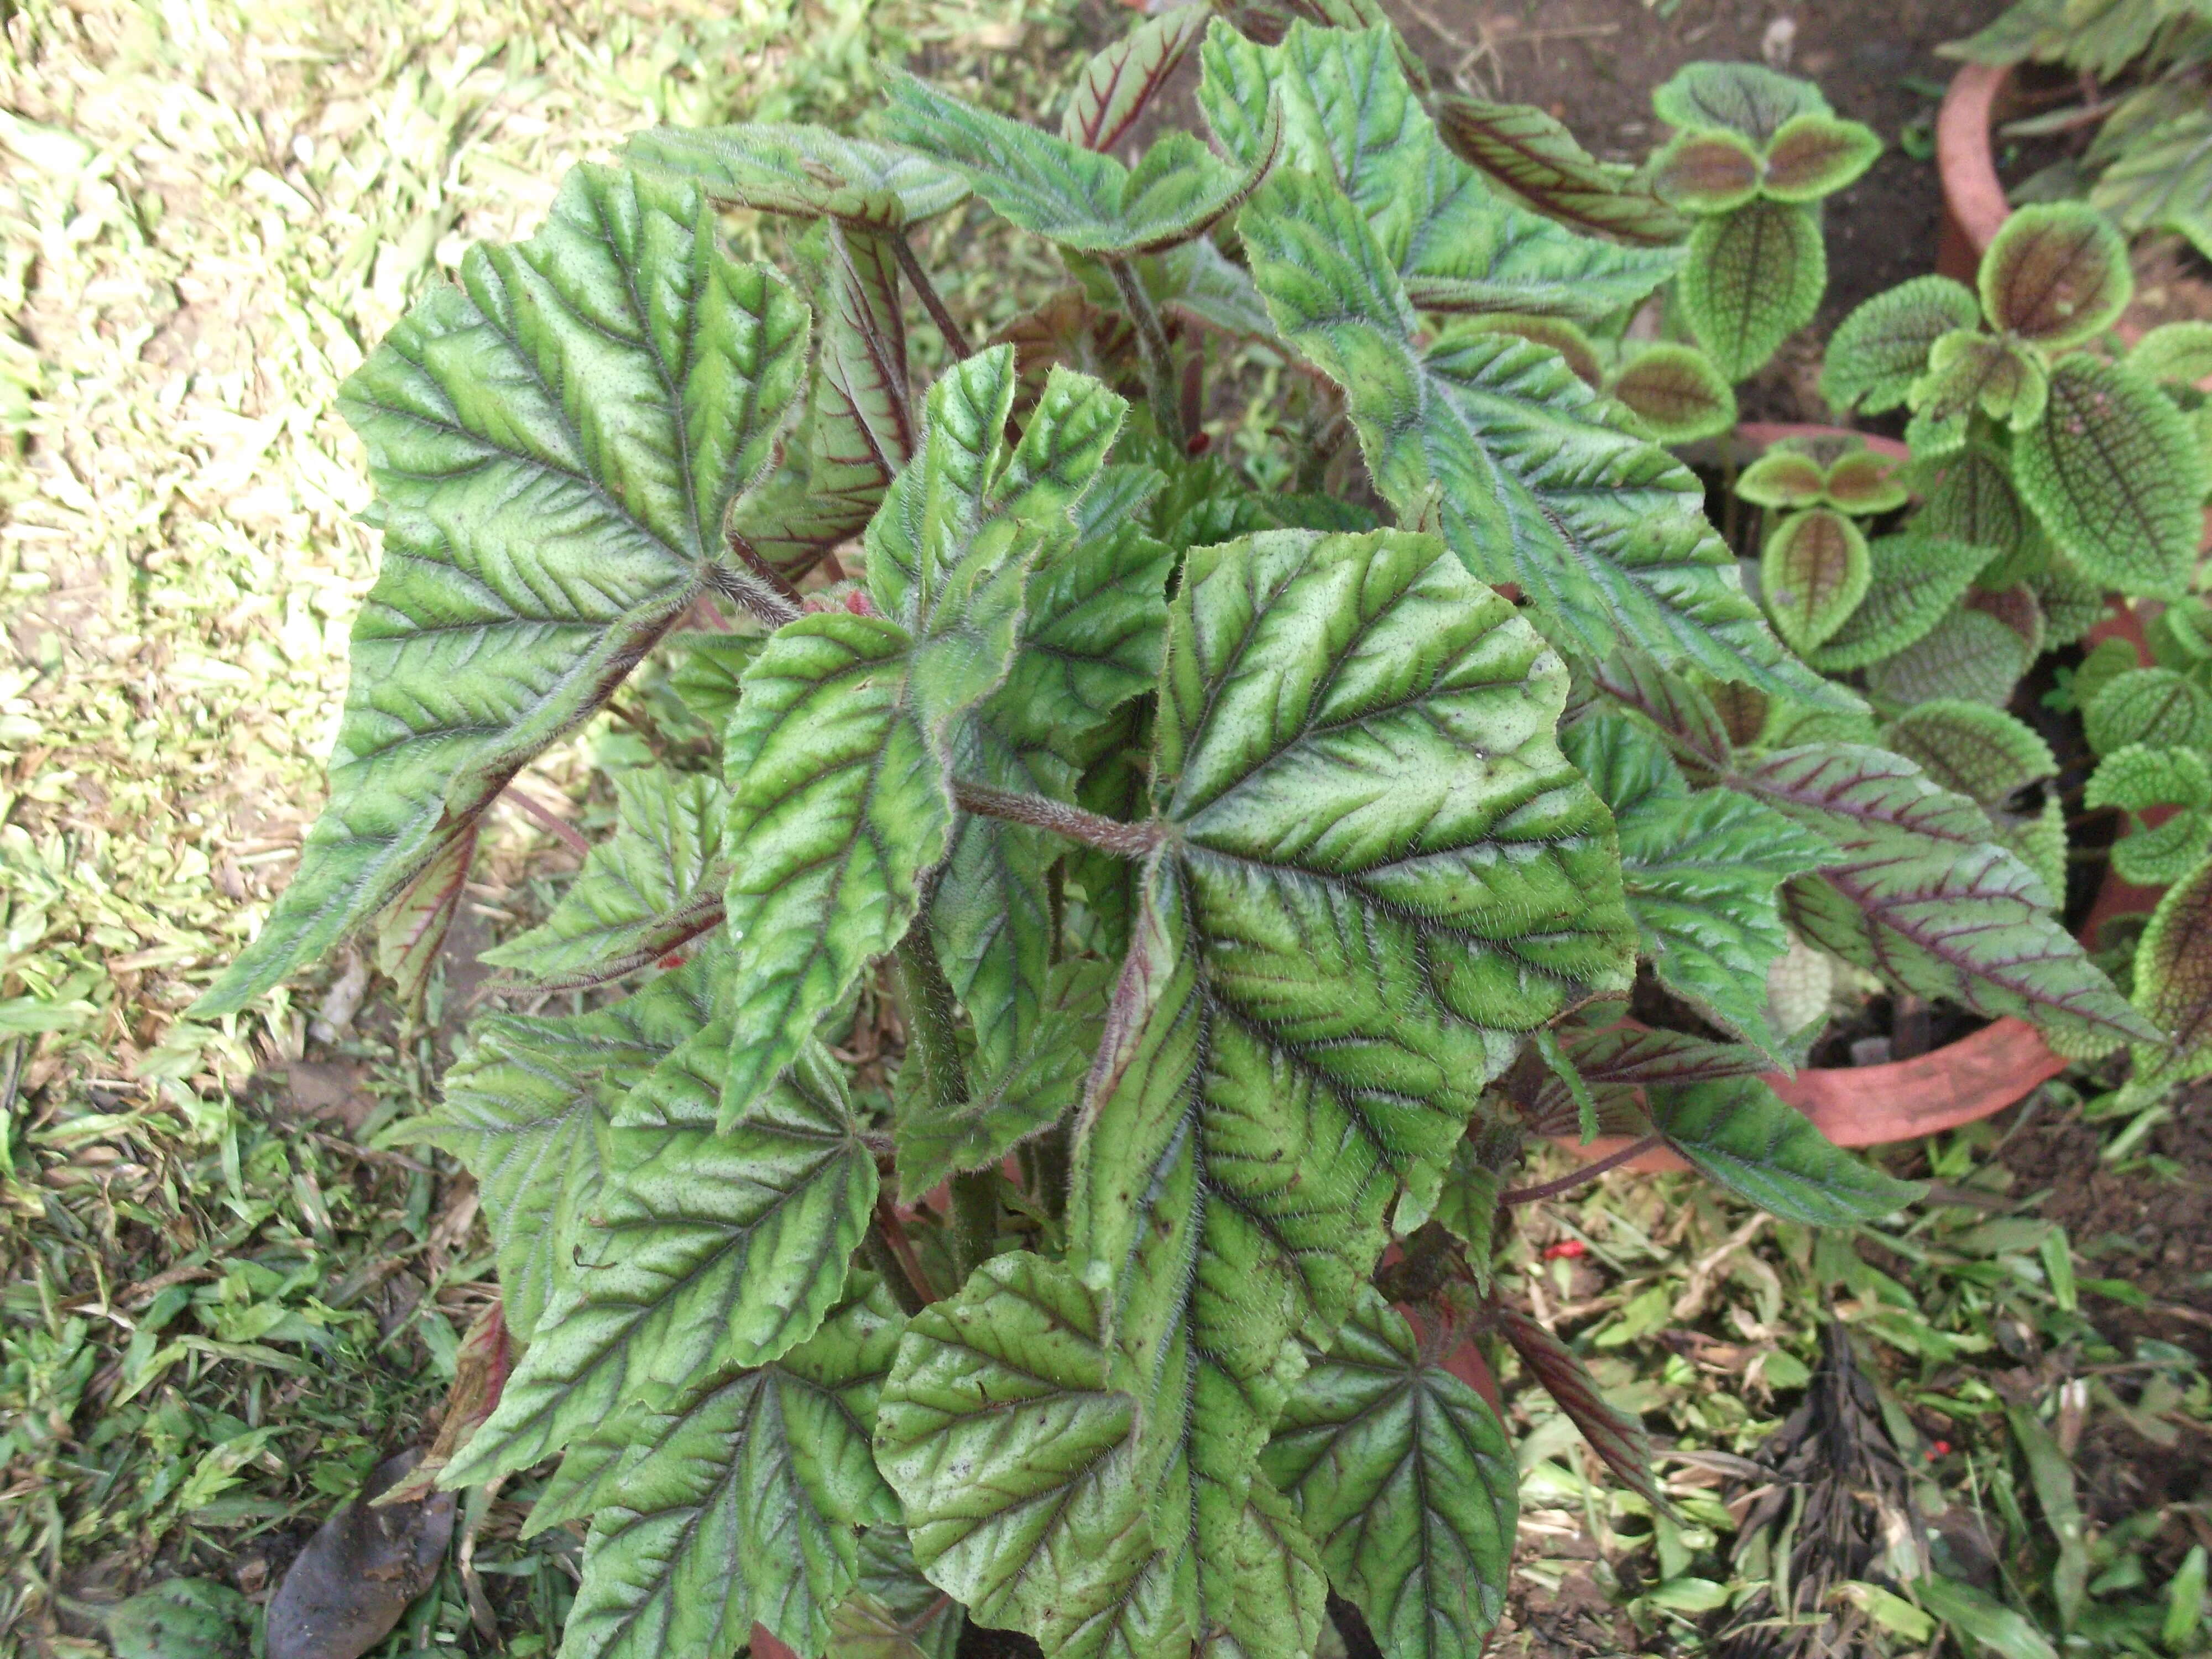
(1589, 1172)
(893, 1233)
(955, 341)
(548, 818)
(1128, 840)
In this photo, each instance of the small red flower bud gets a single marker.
(1570, 1248)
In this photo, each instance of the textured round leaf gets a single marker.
(1915, 580)
(1784, 479)
(1815, 155)
(1813, 574)
(1866, 482)
(1982, 753)
(1879, 350)
(2071, 603)
(1557, 332)
(1742, 1134)
(2174, 980)
(2174, 354)
(2141, 776)
(1968, 497)
(1706, 172)
(2116, 477)
(2056, 273)
(1755, 278)
(1969, 654)
(2153, 706)
(1967, 370)
(1747, 99)
(2152, 855)
(1676, 392)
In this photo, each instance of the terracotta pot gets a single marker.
(1974, 203)
(1764, 434)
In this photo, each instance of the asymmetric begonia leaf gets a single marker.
(1814, 155)
(555, 442)
(804, 172)
(2173, 984)
(2153, 706)
(1350, 116)
(1676, 392)
(707, 668)
(1566, 338)
(1754, 277)
(1920, 893)
(1618, 1438)
(707, 1249)
(1913, 581)
(1071, 195)
(1121, 79)
(626, 906)
(1879, 350)
(1521, 467)
(737, 1502)
(1741, 1133)
(1705, 172)
(2055, 274)
(2163, 179)
(1746, 98)
(2114, 473)
(1532, 155)
(1009, 1429)
(1813, 574)
(1402, 1476)
(1704, 872)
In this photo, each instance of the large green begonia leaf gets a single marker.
(556, 443)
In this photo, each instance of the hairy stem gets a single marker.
(1160, 388)
(956, 339)
(759, 588)
(1589, 1172)
(1128, 840)
(925, 999)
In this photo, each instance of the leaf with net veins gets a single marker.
(624, 910)
(1574, 346)
(2174, 354)
(1704, 872)
(411, 931)
(1676, 392)
(1009, 1429)
(555, 441)
(1969, 655)
(1349, 115)
(1529, 477)
(2115, 475)
(1814, 155)
(1968, 496)
(1618, 1438)
(1784, 479)
(737, 1502)
(2173, 984)
(1754, 277)
(707, 1249)
(1967, 370)
(1119, 81)
(1813, 574)
(2162, 180)
(1527, 151)
(1066, 193)
(803, 171)
(893, 1612)
(1879, 350)
(1864, 482)
(1744, 99)
(1741, 1133)
(1920, 893)
(2139, 777)
(1703, 172)
(706, 667)
(1404, 1479)
(1983, 754)
(1913, 580)
(2056, 274)
(2152, 706)
(1466, 1198)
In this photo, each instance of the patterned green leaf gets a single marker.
(1529, 153)
(1121, 79)
(707, 1249)
(1520, 464)
(410, 931)
(1738, 1133)
(2153, 706)
(1755, 278)
(1968, 370)
(837, 811)
(738, 1501)
(1746, 98)
(894, 1613)
(1783, 478)
(805, 171)
(2173, 984)
(1467, 1198)
(1970, 655)
(1566, 338)
(1350, 116)
(1814, 155)
(1968, 497)
(2163, 179)
(526, 1110)
(2140, 776)
(1615, 1435)
(706, 669)
(1074, 196)
(2116, 477)
(1982, 753)
(2056, 274)
(1862, 481)
(1404, 1479)
(539, 536)
(1676, 392)
(1703, 872)
(1706, 172)
(1919, 893)
(1812, 573)
(1008, 1431)
(1915, 580)
(626, 906)
(1879, 350)
(2174, 354)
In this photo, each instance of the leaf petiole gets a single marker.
(1128, 840)
(956, 341)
